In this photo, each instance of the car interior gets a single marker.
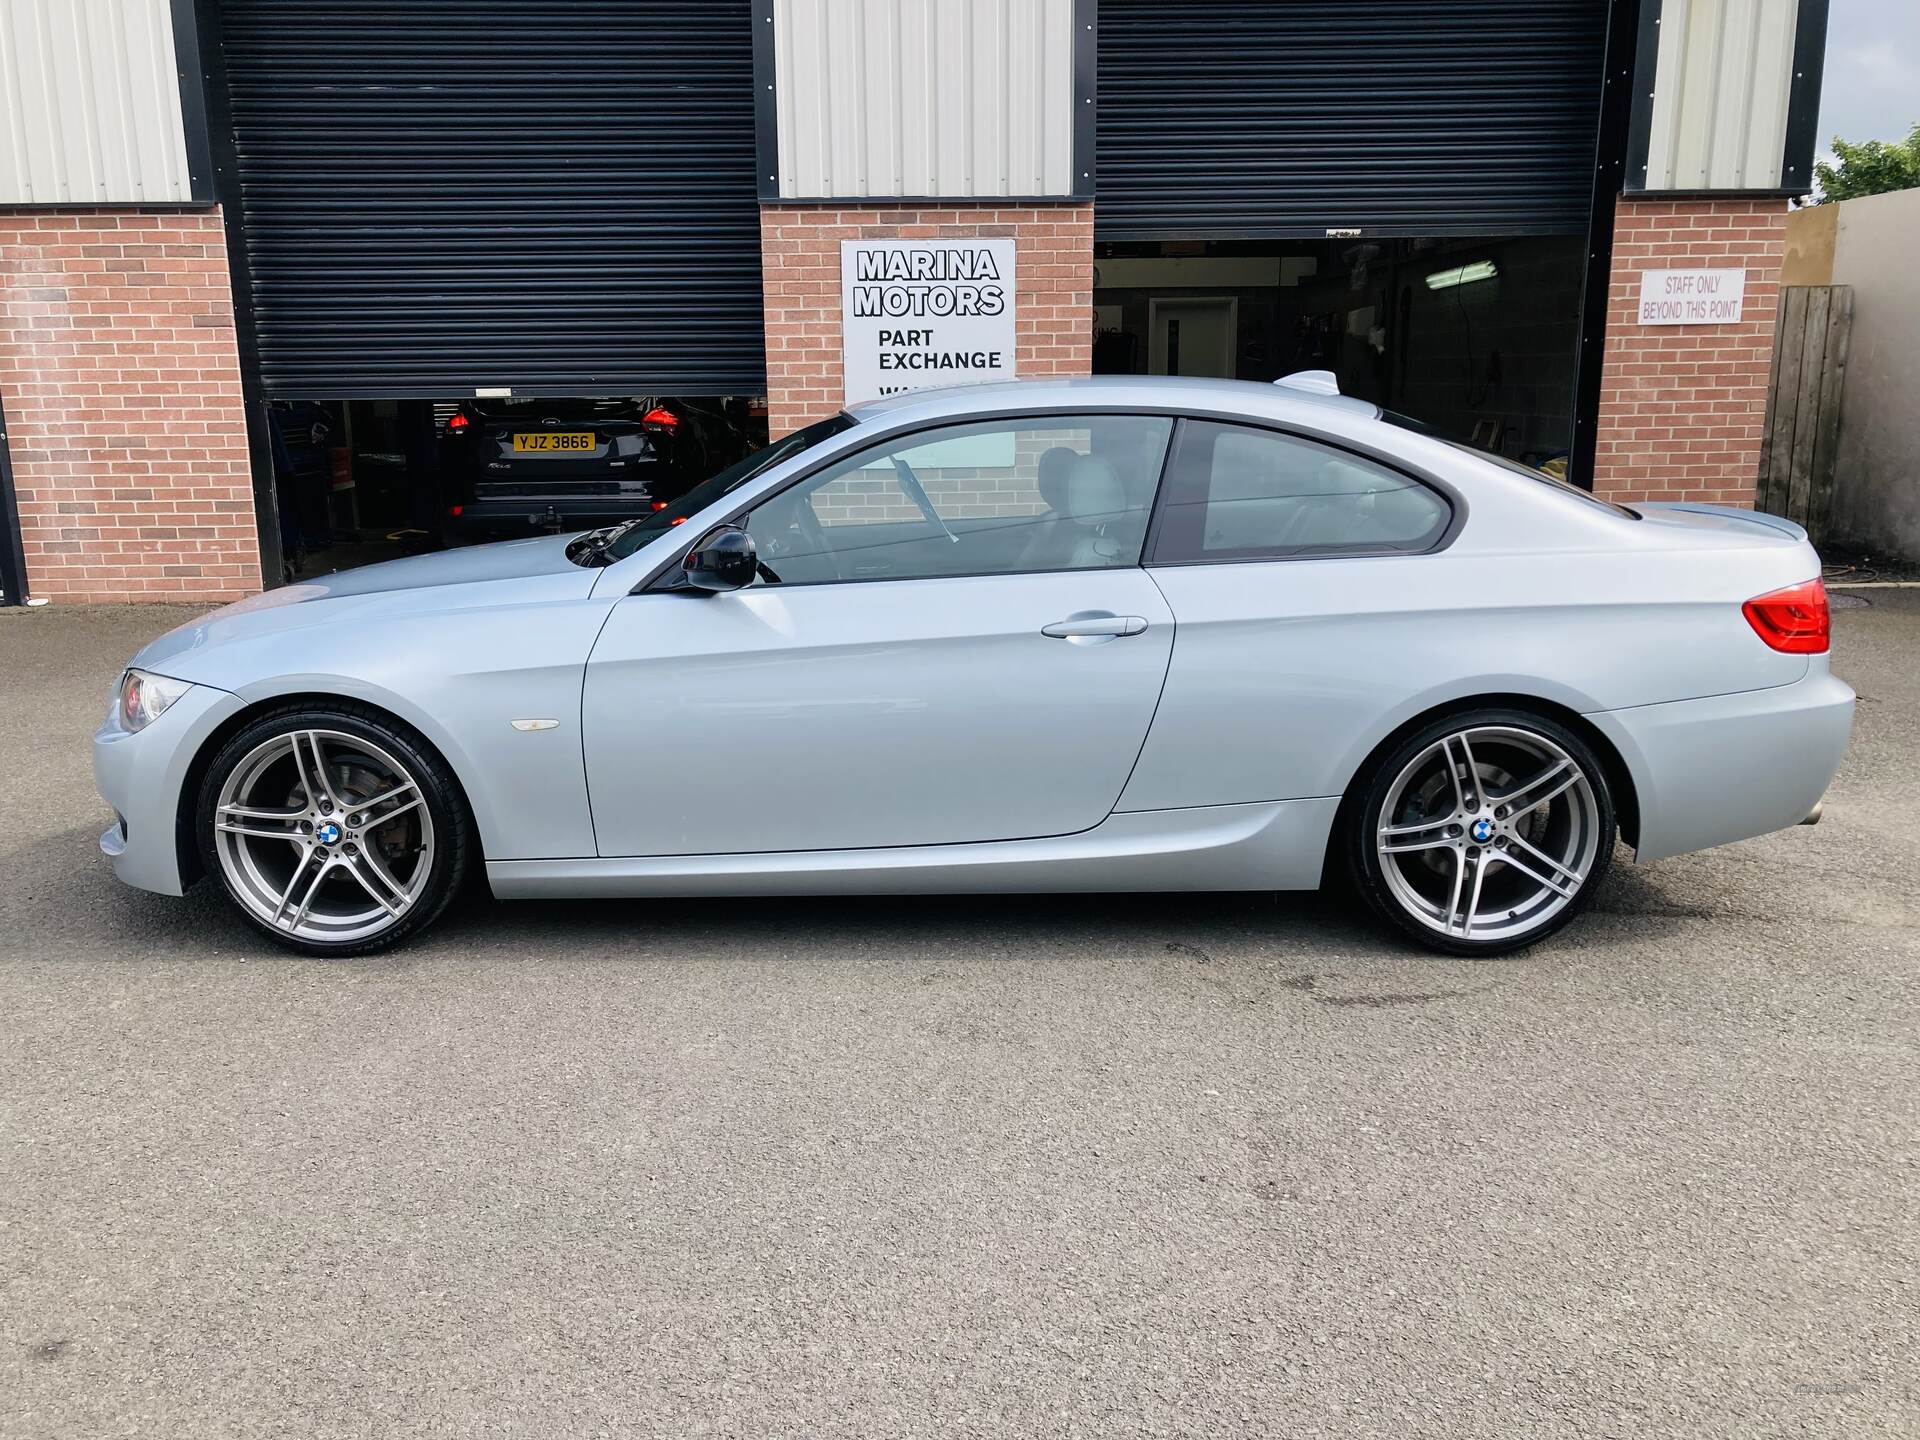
(1073, 495)
(1077, 494)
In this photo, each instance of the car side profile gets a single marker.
(1075, 635)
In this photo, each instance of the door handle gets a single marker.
(1092, 627)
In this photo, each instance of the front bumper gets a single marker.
(141, 775)
(1729, 767)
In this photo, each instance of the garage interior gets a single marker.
(1476, 337)
(1396, 191)
(359, 481)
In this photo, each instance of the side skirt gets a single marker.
(1276, 845)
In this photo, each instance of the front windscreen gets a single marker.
(635, 533)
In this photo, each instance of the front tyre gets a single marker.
(1483, 832)
(334, 829)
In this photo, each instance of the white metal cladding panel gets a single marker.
(90, 104)
(1720, 91)
(945, 98)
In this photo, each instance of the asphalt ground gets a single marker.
(1134, 1165)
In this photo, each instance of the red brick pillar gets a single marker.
(800, 252)
(1683, 407)
(122, 388)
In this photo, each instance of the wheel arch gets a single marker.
(1620, 784)
(185, 821)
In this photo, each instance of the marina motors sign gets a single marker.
(916, 313)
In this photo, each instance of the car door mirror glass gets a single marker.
(725, 559)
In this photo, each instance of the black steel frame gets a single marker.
(209, 64)
(13, 558)
(1619, 78)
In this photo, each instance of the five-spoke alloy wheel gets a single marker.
(335, 831)
(1483, 832)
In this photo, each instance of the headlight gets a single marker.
(144, 698)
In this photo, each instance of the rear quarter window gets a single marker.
(1239, 493)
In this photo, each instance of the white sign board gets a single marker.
(1692, 297)
(915, 313)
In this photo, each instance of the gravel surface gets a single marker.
(1196, 1166)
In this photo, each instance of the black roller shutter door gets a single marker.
(440, 195)
(1223, 118)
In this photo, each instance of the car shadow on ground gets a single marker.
(64, 903)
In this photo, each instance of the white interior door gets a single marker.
(1193, 336)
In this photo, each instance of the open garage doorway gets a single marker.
(1477, 337)
(360, 481)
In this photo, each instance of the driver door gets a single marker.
(951, 640)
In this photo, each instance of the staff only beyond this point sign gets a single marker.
(917, 313)
(1692, 297)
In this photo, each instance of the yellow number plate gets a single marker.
(561, 440)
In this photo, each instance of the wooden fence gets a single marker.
(1803, 403)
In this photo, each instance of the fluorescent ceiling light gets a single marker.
(1462, 275)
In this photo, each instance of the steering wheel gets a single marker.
(790, 517)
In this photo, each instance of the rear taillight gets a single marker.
(456, 511)
(1793, 620)
(662, 418)
(457, 421)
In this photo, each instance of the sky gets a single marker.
(1871, 89)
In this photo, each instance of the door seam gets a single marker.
(1158, 699)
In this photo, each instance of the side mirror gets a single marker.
(725, 559)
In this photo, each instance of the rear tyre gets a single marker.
(334, 829)
(1482, 832)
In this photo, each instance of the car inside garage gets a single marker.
(358, 481)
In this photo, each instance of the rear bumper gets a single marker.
(523, 514)
(1729, 767)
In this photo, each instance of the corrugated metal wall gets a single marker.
(443, 195)
(945, 98)
(90, 104)
(1721, 86)
(1223, 118)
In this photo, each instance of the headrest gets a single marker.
(1094, 495)
(1050, 479)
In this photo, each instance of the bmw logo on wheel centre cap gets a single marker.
(327, 833)
(1482, 830)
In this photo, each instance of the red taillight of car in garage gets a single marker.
(1793, 620)
(661, 418)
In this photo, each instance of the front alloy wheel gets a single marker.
(1485, 832)
(334, 832)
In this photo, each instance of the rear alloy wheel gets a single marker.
(1484, 832)
(335, 832)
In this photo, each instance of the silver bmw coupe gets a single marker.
(1109, 634)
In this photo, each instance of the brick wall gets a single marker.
(1683, 407)
(122, 389)
(800, 250)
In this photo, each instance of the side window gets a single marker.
(1067, 492)
(1235, 493)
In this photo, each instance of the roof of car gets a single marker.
(1250, 397)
